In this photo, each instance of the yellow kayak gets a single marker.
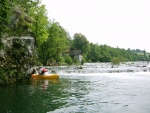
(49, 76)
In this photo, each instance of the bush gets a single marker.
(68, 59)
(116, 60)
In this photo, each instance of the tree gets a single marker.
(55, 44)
(116, 60)
(68, 59)
(3, 19)
(94, 53)
(105, 52)
(15, 17)
(20, 21)
(80, 42)
(40, 24)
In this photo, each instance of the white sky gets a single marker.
(122, 23)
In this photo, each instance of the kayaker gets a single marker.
(33, 71)
(42, 70)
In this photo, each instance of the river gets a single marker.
(125, 92)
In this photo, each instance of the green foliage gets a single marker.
(3, 19)
(17, 61)
(116, 60)
(104, 53)
(15, 18)
(19, 22)
(3, 15)
(55, 44)
(80, 42)
(94, 53)
(7, 76)
(68, 59)
(75, 61)
(40, 24)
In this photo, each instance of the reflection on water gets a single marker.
(84, 93)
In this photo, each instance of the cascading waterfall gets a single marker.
(93, 68)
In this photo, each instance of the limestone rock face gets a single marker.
(16, 58)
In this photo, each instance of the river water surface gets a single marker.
(80, 93)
